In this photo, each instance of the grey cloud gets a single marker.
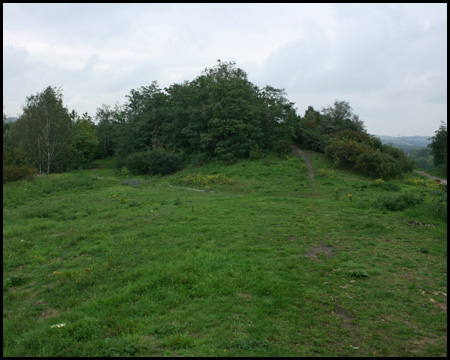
(382, 58)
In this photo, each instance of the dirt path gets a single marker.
(305, 157)
(297, 151)
(94, 170)
(443, 181)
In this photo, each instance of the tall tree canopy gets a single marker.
(219, 114)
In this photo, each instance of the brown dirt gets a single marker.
(305, 158)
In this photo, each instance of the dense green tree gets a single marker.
(218, 114)
(279, 119)
(311, 130)
(179, 134)
(105, 123)
(45, 128)
(13, 152)
(340, 117)
(85, 141)
(438, 147)
(145, 113)
(316, 128)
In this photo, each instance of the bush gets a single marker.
(365, 154)
(377, 164)
(343, 152)
(397, 202)
(162, 162)
(137, 163)
(155, 162)
(14, 173)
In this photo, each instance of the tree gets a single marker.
(45, 126)
(105, 117)
(341, 117)
(438, 147)
(279, 119)
(84, 140)
(218, 114)
(311, 130)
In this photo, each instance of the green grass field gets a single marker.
(258, 263)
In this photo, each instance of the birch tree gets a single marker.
(45, 126)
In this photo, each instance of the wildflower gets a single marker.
(350, 196)
(58, 325)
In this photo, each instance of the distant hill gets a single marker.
(11, 119)
(405, 143)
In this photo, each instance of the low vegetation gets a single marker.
(247, 259)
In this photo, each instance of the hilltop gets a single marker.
(405, 143)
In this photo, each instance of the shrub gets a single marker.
(343, 152)
(377, 164)
(155, 162)
(14, 173)
(397, 202)
(137, 163)
(119, 164)
(365, 154)
(282, 147)
(162, 162)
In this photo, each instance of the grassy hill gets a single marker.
(241, 260)
(406, 143)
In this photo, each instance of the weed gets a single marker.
(13, 281)
(328, 173)
(386, 186)
(205, 181)
(358, 274)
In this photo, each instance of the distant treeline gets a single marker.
(218, 115)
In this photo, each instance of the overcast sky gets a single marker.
(389, 61)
